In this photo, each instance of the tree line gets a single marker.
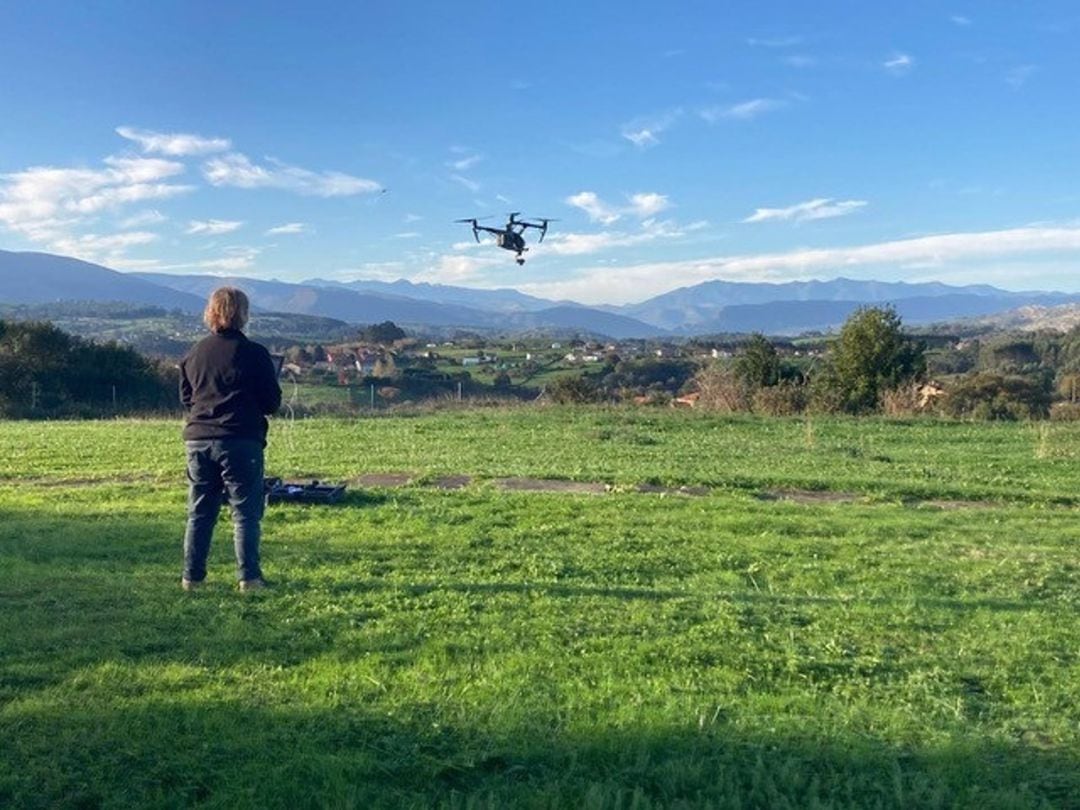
(872, 366)
(46, 373)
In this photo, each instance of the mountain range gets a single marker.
(712, 307)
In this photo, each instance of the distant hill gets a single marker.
(42, 278)
(1034, 319)
(356, 306)
(795, 317)
(718, 306)
(709, 308)
(498, 300)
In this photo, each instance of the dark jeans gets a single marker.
(217, 468)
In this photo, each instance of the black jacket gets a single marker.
(228, 384)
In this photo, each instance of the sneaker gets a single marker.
(190, 584)
(256, 584)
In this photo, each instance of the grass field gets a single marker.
(846, 614)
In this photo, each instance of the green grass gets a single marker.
(482, 648)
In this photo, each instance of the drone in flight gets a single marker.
(512, 235)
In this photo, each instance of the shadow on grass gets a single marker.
(78, 600)
(180, 754)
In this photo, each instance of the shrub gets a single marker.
(1065, 412)
(574, 390)
(721, 389)
(992, 396)
(783, 399)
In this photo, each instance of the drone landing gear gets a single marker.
(520, 260)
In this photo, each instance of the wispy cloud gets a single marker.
(1018, 76)
(457, 269)
(97, 245)
(820, 208)
(801, 61)
(645, 131)
(175, 144)
(642, 205)
(580, 244)
(212, 227)
(239, 171)
(461, 180)
(144, 218)
(237, 257)
(465, 163)
(641, 281)
(899, 64)
(743, 111)
(960, 19)
(287, 228)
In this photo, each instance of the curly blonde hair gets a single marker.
(226, 309)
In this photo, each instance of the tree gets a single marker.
(873, 355)
(386, 332)
(758, 364)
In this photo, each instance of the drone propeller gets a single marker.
(542, 227)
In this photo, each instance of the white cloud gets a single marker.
(648, 204)
(176, 144)
(638, 282)
(143, 218)
(821, 208)
(407, 235)
(898, 64)
(801, 61)
(471, 185)
(960, 19)
(237, 170)
(48, 205)
(464, 164)
(458, 269)
(645, 131)
(237, 257)
(591, 204)
(212, 227)
(287, 228)
(743, 111)
(641, 138)
(95, 244)
(580, 244)
(642, 205)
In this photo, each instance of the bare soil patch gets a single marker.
(452, 481)
(550, 485)
(953, 505)
(383, 480)
(809, 496)
(656, 488)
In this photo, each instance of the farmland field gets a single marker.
(551, 607)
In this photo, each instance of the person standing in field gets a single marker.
(228, 386)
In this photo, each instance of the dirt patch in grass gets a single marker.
(953, 505)
(452, 481)
(657, 489)
(383, 480)
(809, 496)
(550, 485)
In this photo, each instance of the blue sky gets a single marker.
(675, 142)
